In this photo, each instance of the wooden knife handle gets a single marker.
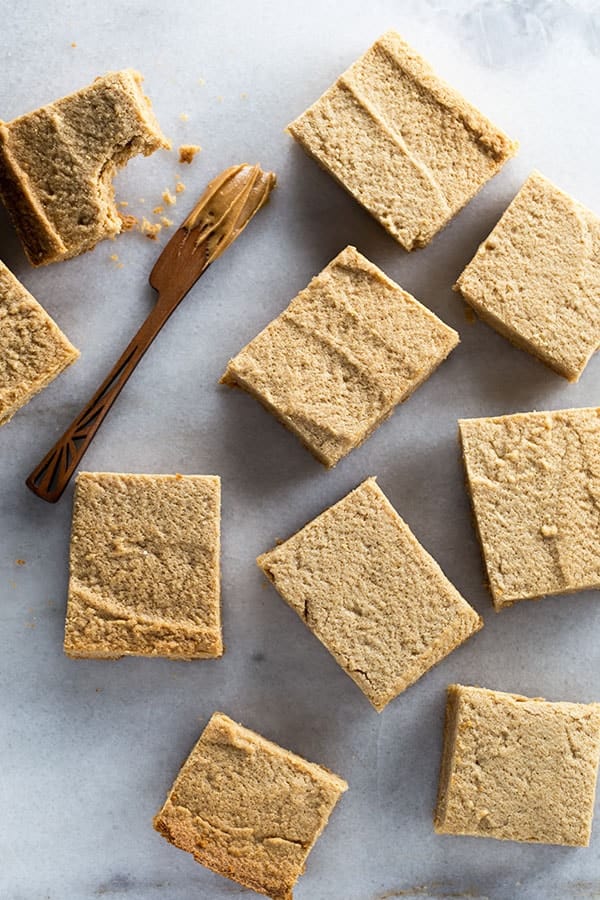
(51, 476)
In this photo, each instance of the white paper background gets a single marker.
(90, 748)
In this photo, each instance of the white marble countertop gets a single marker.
(89, 748)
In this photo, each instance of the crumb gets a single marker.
(470, 315)
(114, 257)
(157, 210)
(20, 562)
(187, 152)
(13, 584)
(220, 98)
(243, 95)
(184, 117)
(123, 203)
(73, 44)
(166, 222)
(201, 82)
(29, 624)
(179, 187)
(168, 197)
(128, 223)
(98, 690)
(150, 230)
(142, 199)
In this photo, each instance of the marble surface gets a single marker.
(90, 748)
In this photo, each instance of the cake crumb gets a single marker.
(158, 210)
(220, 98)
(73, 44)
(179, 187)
(166, 222)
(129, 223)
(549, 531)
(201, 82)
(184, 117)
(168, 197)
(123, 203)
(20, 562)
(142, 199)
(187, 152)
(150, 230)
(243, 95)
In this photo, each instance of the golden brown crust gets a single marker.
(536, 277)
(534, 481)
(518, 768)
(33, 350)
(144, 567)
(57, 164)
(360, 580)
(248, 809)
(334, 364)
(405, 144)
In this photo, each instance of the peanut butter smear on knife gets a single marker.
(227, 205)
(225, 208)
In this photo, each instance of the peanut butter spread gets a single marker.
(360, 580)
(57, 164)
(144, 569)
(405, 144)
(344, 353)
(536, 278)
(534, 480)
(518, 769)
(248, 809)
(227, 205)
(33, 350)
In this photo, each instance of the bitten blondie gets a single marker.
(57, 164)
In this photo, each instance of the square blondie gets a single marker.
(144, 567)
(248, 809)
(334, 364)
(57, 164)
(536, 278)
(359, 579)
(534, 480)
(33, 349)
(518, 769)
(401, 141)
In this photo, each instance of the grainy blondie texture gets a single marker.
(57, 164)
(360, 580)
(518, 769)
(534, 480)
(334, 364)
(536, 278)
(33, 350)
(248, 809)
(405, 144)
(145, 567)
